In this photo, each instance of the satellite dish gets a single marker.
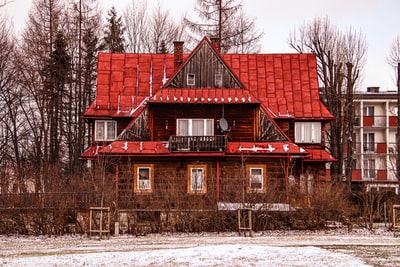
(223, 124)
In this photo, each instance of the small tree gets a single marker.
(113, 39)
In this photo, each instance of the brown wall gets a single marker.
(170, 185)
(240, 119)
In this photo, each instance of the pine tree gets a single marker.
(56, 73)
(113, 39)
(225, 20)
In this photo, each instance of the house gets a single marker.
(375, 148)
(207, 132)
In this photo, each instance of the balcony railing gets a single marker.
(198, 143)
(375, 121)
(371, 174)
(371, 148)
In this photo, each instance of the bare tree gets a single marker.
(162, 31)
(150, 33)
(394, 55)
(394, 61)
(36, 44)
(135, 18)
(341, 58)
(11, 99)
(5, 2)
(226, 20)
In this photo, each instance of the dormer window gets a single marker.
(190, 79)
(308, 132)
(218, 80)
(105, 130)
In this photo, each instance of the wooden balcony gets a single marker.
(198, 143)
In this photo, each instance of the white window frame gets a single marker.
(301, 129)
(191, 79)
(369, 166)
(207, 124)
(369, 142)
(105, 135)
(147, 185)
(196, 186)
(261, 178)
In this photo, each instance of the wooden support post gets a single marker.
(396, 220)
(97, 223)
(245, 223)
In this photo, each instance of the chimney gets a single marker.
(373, 89)
(178, 54)
(216, 43)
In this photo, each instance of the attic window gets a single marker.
(190, 79)
(218, 80)
(308, 132)
(105, 130)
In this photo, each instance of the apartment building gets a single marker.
(375, 131)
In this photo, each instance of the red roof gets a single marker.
(285, 84)
(319, 155)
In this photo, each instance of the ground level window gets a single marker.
(197, 178)
(143, 178)
(256, 178)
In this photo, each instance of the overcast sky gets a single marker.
(377, 19)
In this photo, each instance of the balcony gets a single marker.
(375, 121)
(369, 175)
(215, 143)
(374, 148)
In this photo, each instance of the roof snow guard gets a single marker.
(204, 96)
(265, 148)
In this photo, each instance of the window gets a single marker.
(218, 80)
(190, 79)
(308, 132)
(369, 169)
(256, 178)
(369, 111)
(197, 178)
(195, 127)
(105, 130)
(369, 142)
(143, 178)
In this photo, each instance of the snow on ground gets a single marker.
(275, 248)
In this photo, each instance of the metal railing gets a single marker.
(48, 200)
(375, 121)
(198, 143)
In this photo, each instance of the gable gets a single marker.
(204, 68)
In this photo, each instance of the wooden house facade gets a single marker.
(207, 132)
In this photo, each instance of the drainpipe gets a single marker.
(217, 181)
(287, 179)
